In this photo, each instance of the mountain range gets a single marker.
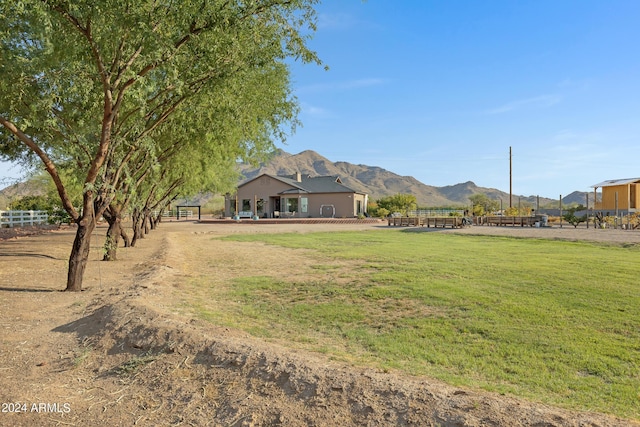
(379, 182)
(373, 180)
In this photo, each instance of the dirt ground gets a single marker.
(126, 351)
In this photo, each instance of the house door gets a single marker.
(632, 196)
(275, 202)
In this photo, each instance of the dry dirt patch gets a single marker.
(123, 352)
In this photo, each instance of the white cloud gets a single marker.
(572, 140)
(315, 111)
(565, 135)
(581, 84)
(344, 22)
(542, 101)
(353, 84)
(339, 86)
(340, 21)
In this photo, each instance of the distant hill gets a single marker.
(373, 180)
(379, 182)
(578, 197)
(16, 191)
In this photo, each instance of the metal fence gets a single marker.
(173, 213)
(436, 212)
(21, 218)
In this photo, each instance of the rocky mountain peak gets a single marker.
(374, 180)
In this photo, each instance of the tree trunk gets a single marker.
(155, 221)
(112, 215)
(146, 221)
(137, 226)
(125, 237)
(79, 257)
(81, 245)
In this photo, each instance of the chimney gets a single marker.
(298, 177)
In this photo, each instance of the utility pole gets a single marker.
(510, 179)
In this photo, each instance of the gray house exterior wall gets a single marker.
(270, 196)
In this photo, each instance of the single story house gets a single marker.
(295, 196)
(618, 194)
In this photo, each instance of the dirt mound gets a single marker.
(161, 371)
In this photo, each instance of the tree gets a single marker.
(89, 86)
(482, 204)
(571, 218)
(185, 164)
(31, 203)
(402, 203)
(522, 210)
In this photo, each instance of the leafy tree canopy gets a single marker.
(85, 83)
(102, 91)
(483, 205)
(571, 217)
(402, 203)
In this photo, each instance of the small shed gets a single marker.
(618, 194)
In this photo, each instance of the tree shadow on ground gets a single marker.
(29, 254)
(8, 289)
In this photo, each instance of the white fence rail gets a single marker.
(21, 218)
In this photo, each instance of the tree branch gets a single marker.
(48, 164)
(109, 111)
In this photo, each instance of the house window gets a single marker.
(246, 205)
(291, 204)
(304, 205)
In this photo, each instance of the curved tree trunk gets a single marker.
(81, 245)
(155, 221)
(125, 237)
(137, 226)
(113, 217)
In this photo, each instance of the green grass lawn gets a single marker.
(553, 321)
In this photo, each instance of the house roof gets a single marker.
(612, 182)
(309, 184)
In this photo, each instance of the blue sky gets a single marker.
(439, 90)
